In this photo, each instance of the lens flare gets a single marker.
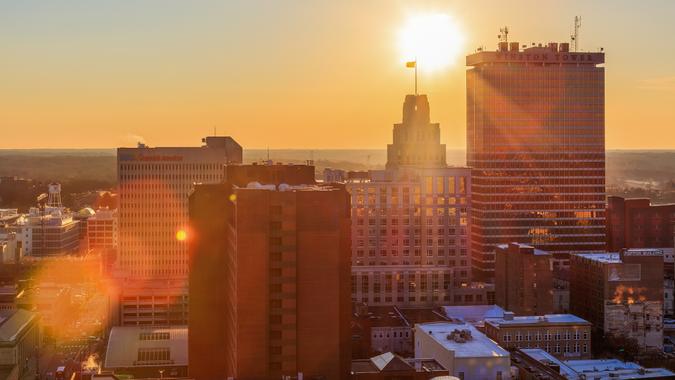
(434, 40)
(181, 235)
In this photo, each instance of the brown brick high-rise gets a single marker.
(270, 282)
(523, 279)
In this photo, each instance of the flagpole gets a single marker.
(415, 76)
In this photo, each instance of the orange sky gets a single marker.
(293, 74)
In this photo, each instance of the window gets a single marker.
(153, 354)
(154, 336)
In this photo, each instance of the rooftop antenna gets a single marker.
(215, 131)
(503, 35)
(575, 36)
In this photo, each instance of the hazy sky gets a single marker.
(293, 74)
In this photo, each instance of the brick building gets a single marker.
(269, 280)
(620, 293)
(565, 336)
(524, 279)
(636, 223)
(389, 366)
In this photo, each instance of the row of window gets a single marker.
(546, 335)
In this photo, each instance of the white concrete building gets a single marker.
(47, 231)
(152, 352)
(466, 352)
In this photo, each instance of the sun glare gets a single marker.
(434, 40)
(181, 235)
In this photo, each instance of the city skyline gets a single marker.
(79, 75)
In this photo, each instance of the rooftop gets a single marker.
(616, 369)
(535, 251)
(127, 344)
(390, 362)
(415, 316)
(562, 319)
(384, 316)
(475, 314)
(286, 187)
(546, 358)
(13, 323)
(600, 369)
(478, 345)
(551, 53)
(603, 257)
(616, 257)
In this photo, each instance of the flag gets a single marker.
(411, 64)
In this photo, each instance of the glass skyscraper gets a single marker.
(536, 145)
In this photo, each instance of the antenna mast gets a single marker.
(575, 36)
(504, 34)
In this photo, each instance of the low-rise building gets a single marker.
(8, 294)
(534, 364)
(390, 329)
(50, 301)
(147, 351)
(621, 294)
(11, 251)
(102, 230)
(19, 344)
(565, 336)
(49, 229)
(391, 366)
(463, 350)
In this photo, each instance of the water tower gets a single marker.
(54, 192)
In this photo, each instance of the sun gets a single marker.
(434, 40)
(181, 235)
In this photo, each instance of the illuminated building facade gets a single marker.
(410, 222)
(536, 144)
(154, 184)
(151, 267)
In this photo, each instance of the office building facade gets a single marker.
(410, 222)
(536, 144)
(154, 184)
